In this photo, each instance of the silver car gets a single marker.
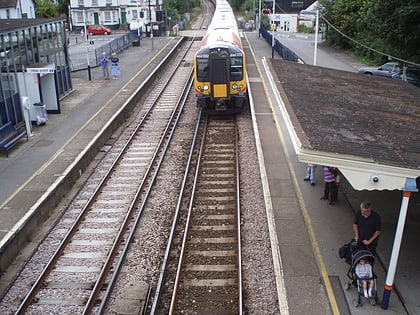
(412, 75)
(386, 70)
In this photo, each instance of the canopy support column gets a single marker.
(410, 186)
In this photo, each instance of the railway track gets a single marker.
(142, 267)
(204, 271)
(79, 276)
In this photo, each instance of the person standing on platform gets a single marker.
(91, 42)
(310, 174)
(104, 65)
(367, 227)
(331, 188)
(115, 67)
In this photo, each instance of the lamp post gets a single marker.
(150, 22)
(87, 45)
(316, 35)
(253, 12)
(259, 18)
(316, 12)
(138, 22)
(273, 27)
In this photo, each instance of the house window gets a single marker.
(79, 17)
(7, 14)
(134, 14)
(107, 17)
(94, 3)
(80, 3)
(108, 2)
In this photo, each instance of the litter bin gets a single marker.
(39, 113)
(135, 41)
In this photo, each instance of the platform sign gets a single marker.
(44, 70)
(40, 70)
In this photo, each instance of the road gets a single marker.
(303, 45)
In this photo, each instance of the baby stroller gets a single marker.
(353, 253)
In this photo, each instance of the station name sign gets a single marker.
(40, 70)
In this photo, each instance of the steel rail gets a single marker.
(162, 273)
(188, 219)
(238, 207)
(130, 237)
(187, 224)
(38, 284)
(151, 168)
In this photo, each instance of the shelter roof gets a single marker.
(367, 126)
(9, 25)
(8, 4)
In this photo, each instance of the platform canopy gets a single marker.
(367, 126)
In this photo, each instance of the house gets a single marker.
(286, 13)
(112, 13)
(17, 9)
(292, 6)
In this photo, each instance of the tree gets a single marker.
(63, 7)
(390, 27)
(46, 9)
(397, 25)
(181, 6)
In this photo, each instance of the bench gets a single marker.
(9, 136)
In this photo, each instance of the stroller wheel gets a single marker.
(357, 303)
(372, 301)
(347, 286)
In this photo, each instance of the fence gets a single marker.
(79, 60)
(282, 50)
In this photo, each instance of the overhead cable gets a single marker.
(367, 47)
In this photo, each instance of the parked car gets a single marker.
(412, 75)
(386, 70)
(97, 29)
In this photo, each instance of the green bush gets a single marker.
(302, 28)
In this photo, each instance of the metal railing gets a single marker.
(282, 50)
(78, 61)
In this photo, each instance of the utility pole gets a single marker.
(151, 25)
(87, 45)
(273, 27)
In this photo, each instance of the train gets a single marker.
(219, 65)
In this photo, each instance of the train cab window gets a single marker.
(219, 73)
(202, 69)
(236, 68)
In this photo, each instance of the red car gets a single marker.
(97, 29)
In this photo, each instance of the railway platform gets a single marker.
(34, 167)
(294, 201)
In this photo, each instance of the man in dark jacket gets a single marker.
(367, 226)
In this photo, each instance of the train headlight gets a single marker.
(241, 86)
(234, 86)
(203, 88)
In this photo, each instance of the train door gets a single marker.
(219, 74)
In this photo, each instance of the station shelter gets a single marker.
(34, 66)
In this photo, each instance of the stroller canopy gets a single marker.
(363, 253)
